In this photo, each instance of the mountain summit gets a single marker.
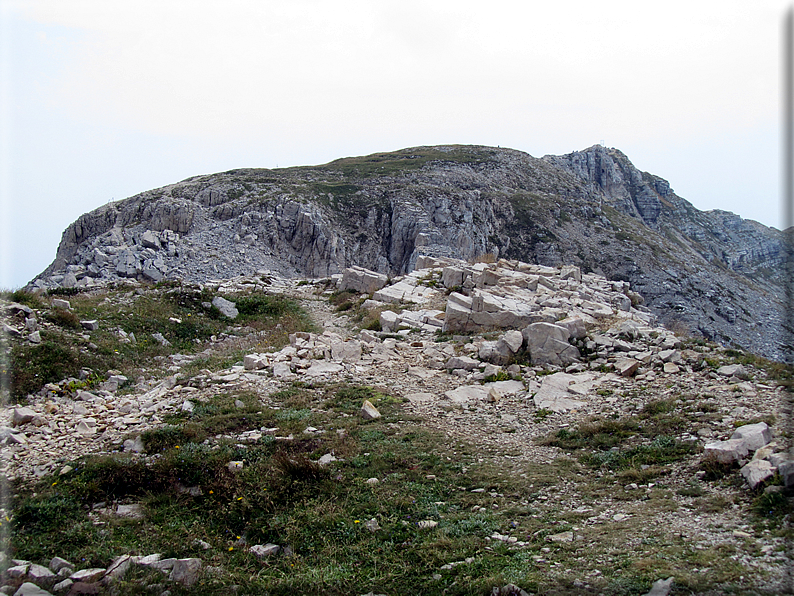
(712, 273)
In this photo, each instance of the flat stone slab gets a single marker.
(467, 393)
(557, 391)
(418, 398)
(506, 387)
(87, 575)
(322, 367)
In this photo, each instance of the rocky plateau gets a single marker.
(710, 273)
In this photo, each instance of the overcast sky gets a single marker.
(104, 99)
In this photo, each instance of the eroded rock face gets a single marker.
(592, 210)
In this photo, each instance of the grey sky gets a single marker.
(101, 100)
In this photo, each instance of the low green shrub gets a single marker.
(33, 366)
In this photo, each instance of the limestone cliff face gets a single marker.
(711, 272)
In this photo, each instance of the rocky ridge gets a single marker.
(592, 208)
(551, 348)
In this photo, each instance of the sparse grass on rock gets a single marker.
(128, 319)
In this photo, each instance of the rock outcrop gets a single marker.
(592, 209)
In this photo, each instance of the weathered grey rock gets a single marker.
(35, 337)
(254, 362)
(575, 326)
(265, 550)
(164, 564)
(39, 574)
(496, 352)
(22, 415)
(57, 563)
(150, 240)
(148, 560)
(467, 393)
(405, 290)
(87, 575)
(726, 451)
(62, 586)
(16, 438)
(91, 325)
(670, 368)
(560, 537)
(281, 370)
(670, 356)
(227, 307)
(754, 436)
(506, 387)
(463, 362)
(757, 471)
(16, 571)
(733, 370)
(61, 303)
(626, 367)
(514, 340)
(326, 459)
(17, 308)
(320, 368)
(508, 590)
(548, 344)
(119, 566)
(133, 511)
(786, 471)
(362, 280)
(114, 382)
(388, 320)
(554, 394)
(161, 339)
(186, 571)
(348, 352)
(571, 272)
(8, 330)
(31, 589)
(452, 276)
(86, 427)
(134, 445)
(661, 587)
(368, 411)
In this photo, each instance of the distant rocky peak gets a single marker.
(608, 172)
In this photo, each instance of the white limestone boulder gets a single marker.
(754, 436)
(726, 451)
(757, 471)
(548, 344)
(363, 281)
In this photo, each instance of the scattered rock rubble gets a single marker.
(554, 347)
(63, 577)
